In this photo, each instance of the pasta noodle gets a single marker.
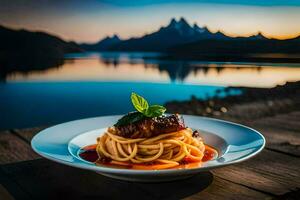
(165, 150)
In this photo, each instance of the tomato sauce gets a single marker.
(89, 154)
(209, 154)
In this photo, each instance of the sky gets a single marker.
(91, 20)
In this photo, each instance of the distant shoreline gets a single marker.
(251, 104)
(255, 58)
(231, 58)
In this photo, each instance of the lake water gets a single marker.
(94, 84)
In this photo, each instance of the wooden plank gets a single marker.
(279, 135)
(280, 140)
(260, 109)
(295, 114)
(14, 149)
(286, 148)
(48, 180)
(270, 172)
(223, 189)
(7, 183)
(292, 116)
(28, 133)
(4, 194)
(290, 195)
(281, 132)
(274, 135)
(279, 123)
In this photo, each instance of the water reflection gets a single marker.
(148, 68)
(26, 65)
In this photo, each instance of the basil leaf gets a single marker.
(155, 111)
(143, 111)
(139, 103)
(130, 118)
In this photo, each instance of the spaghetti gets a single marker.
(163, 151)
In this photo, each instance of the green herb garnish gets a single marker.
(143, 111)
(139, 103)
(130, 118)
(142, 106)
(154, 111)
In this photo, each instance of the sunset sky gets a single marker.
(91, 20)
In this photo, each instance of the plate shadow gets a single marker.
(43, 179)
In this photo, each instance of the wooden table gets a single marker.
(273, 174)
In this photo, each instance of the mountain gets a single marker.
(175, 33)
(179, 37)
(240, 46)
(258, 36)
(27, 43)
(22, 50)
(103, 44)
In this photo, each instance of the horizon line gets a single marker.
(153, 31)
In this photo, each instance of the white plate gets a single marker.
(61, 143)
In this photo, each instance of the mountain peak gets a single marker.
(115, 37)
(183, 23)
(194, 32)
(181, 26)
(173, 20)
(182, 20)
(195, 25)
(173, 23)
(258, 36)
(200, 29)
